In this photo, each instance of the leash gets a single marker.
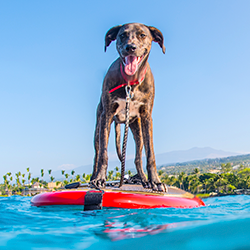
(129, 96)
(125, 137)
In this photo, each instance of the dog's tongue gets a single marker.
(131, 64)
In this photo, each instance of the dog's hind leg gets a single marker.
(118, 140)
(137, 134)
(96, 140)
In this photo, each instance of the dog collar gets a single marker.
(135, 82)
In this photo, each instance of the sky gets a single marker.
(52, 64)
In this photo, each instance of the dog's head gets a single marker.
(133, 43)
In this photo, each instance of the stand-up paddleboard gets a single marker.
(128, 196)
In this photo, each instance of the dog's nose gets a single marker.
(130, 47)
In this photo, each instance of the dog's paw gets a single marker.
(97, 183)
(159, 187)
(145, 183)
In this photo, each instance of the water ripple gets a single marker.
(222, 224)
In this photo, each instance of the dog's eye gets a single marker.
(142, 35)
(123, 35)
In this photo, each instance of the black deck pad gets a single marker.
(93, 201)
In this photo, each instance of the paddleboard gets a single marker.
(128, 196)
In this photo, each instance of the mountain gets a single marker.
(191, 155)
(161, 159)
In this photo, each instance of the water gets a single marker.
(223, 224)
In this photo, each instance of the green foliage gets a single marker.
(226, 167)
(205, 165)
(192, 177)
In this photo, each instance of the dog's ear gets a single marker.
(157, 37)
(111, 36)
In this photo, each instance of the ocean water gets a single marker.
(223, 224)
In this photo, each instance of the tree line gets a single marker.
(225, 182)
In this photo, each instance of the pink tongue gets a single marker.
(131, 65)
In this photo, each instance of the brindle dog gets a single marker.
(133, 43)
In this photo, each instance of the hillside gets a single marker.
(205, 165)
(173, 158)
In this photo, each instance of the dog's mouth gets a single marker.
(131, 64)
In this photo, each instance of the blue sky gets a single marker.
(52, 64)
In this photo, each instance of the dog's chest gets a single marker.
(121, 110)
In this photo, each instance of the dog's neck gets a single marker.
(138, 76)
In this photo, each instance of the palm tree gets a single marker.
(118, 175)
(219, 183)
(57, 183)
(196, 172)
(181, 177)
(23, 180)
(42, 173)
(63, 171)
(29, 177)
(164, 178)
(88, 176)
(110, 175)
(173, 181)
(9, 174)
(49, 171)
(83, 177)
(34, 180)
(17, 179)
(78, 177)
(226, 167)
(72, 173)
(195, 184)
(189, 180)
(206, 183)
(5, 179)
(66, 176)
(160, 172)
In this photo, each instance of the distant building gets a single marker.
(236, 167)
(37, 185)
(214, 171)
(52, 185)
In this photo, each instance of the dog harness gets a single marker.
(135, 82)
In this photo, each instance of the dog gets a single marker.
(133, 43)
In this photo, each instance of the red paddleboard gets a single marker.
(122, 198)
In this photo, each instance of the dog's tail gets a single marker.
(118, 140)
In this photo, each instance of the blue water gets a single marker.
(223, 224)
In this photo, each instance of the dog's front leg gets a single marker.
(137, 133)
(104, 128)
(147, 132)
